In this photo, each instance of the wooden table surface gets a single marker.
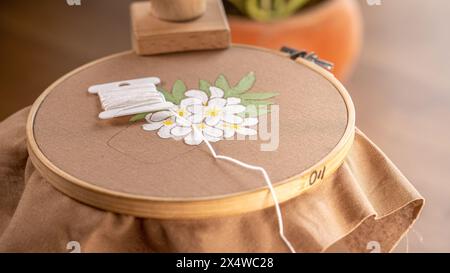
(401, 86)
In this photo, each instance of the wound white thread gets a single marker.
(130, 97)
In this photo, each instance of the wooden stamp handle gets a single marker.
(178, 10)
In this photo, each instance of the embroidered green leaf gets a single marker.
(178, 90)
(168, 96)
(256, 102)
(138, 117)
(223, 84)
(204, 86)
(258, 96)
(244, 85)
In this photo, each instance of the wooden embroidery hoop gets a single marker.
(191, 208)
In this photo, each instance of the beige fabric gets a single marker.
(368, 199)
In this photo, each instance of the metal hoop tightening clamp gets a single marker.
(311, 56)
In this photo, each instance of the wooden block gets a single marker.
(151, 35)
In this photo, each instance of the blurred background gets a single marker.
(393, 57)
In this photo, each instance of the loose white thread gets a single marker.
(250, 167)
(407, 243)
(418, 235)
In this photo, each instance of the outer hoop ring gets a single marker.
(168, 208)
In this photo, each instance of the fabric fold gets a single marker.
(367, 200)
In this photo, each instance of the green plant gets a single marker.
(268, 10)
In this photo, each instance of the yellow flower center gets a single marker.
(168, 122)
(235, 126)
(181, 112)
(213, 112)
(201, 126)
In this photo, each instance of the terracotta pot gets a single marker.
(332, 29)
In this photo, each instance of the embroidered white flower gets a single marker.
(195, 136)
(162, 121)
(217, 109)
(166, 120)
(205, 115)
(230, 129)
